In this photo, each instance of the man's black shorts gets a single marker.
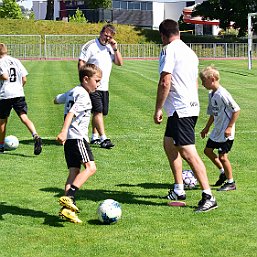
(18, 104)
(223, 147)
(100, 101)
(77, 151)
(182, 130)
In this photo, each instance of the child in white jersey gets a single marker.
(74, 137)
(12, 80)
(223, 111)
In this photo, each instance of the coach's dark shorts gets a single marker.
(77, 151)
(182, 130)
(223, 147)
(100, 101)
(18, 104)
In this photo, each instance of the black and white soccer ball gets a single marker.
(189, 179)
(109, 211)
(11, 143)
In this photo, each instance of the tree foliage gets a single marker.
(230, 12)
(78, 17)
(10, 10)
(94, 4)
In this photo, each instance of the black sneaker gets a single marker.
(221, 180)
(95, 141)
(228, 186)
(37, 145)
(1, 150)
(107, 144)
(207, 203)
(174, 197)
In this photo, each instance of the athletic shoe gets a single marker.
(174, 197)
(107, 144)
(1, 150)
(221, 180)
(68, 202)
(95, 141)
(228, 186)
(37, 145)
(69, 215)
(207, 203)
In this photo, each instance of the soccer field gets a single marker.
(135, 173)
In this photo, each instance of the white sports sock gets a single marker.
(103, 137)
(94, 136)
(179, 189)
(207, 191)
(231, 180)
(222, 171)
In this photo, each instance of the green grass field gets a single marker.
(135, 173)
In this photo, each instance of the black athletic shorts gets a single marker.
(18, 104)
(77, 151)
(100, 101)
(223, 147)
(182, 130)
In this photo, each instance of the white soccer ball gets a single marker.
(11, 143)
(109, 211)
(189, 179)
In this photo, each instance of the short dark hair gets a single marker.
(109, 27)
(169, 28)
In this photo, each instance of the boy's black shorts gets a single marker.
(100, 102)
(77, 151)
(182, 130)
(18, 104)
(223, 147)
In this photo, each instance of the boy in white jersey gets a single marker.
(224, 112)
(12, 80)
(177, 93)
(102, 52)
(74, 137)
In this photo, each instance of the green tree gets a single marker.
(10, 10)
(229, 12)
(105, 4)
(78, 17)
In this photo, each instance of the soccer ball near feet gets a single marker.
(109, 211)
(189, 179)
(11, 143)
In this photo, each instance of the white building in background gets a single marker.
(141, 13)
(161, 9)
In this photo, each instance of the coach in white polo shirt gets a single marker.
(178, 94)
(102, 52)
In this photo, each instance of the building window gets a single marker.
(116, 4)
(130, 5)
(124, 5)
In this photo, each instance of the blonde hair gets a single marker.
(3, 49)
(89, 70)
(210, 71)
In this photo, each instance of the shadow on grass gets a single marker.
(99, 195)
(44, 142)
(49, 220)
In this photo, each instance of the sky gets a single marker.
(26, 3)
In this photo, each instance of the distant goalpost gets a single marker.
(250, 39)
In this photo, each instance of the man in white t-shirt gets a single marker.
(12, 80)
(178, 95)
(102, 52)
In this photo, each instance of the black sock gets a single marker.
(71, 192)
